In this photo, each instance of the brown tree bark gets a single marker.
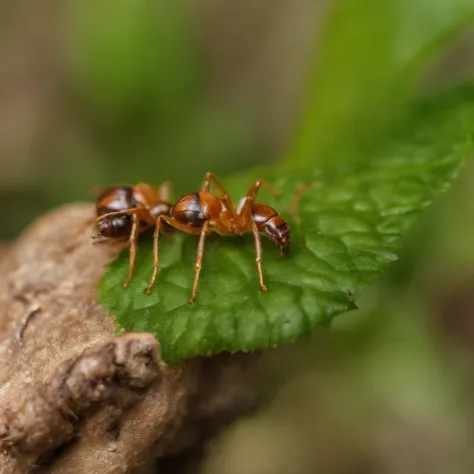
(74, 398)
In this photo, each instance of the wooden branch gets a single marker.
(75, 398)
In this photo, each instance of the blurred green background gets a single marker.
(99, 93)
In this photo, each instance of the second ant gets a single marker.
(124, 212)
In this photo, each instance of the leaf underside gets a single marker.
(351, 221)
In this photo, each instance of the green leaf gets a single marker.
(371, 54)
(349, 231)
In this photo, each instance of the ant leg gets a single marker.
(224, 195)
(165, 191)
(258, 250)
(133, 248)
(293, 208)
(255, 188)
(89, 222)
(101, 241)
(141, 213)
(97, 236)
(156, 235)
(207, 184)
(182, 227)
(273, 191)
(246, 203)
(200, 253)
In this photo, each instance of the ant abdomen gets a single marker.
(196, 208)
(274, 226)
(118, 198)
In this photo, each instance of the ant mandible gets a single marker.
(126, 212)
(203, 213)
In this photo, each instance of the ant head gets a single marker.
(117, 226)
(277, 230)
(284, 245)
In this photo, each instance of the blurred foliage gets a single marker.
(138, 68)
(370, 56)
(136, 63)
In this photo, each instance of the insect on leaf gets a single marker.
(349, 229)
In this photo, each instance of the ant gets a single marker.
(203, 213)
(126, 212)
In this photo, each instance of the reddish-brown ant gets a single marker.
(126, 212)
(203, 213)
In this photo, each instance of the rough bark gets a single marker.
(76, 398)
